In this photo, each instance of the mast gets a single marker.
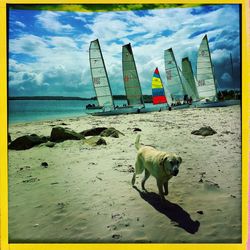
(99, 75)
(130, 76)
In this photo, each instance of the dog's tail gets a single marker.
(137, 142)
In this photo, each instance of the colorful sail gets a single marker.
(158, 93)
(174, 82)
(188, 74)
(99, 75)
(205, 76)
(130, 77)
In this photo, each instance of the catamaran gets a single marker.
(206, 82)
(100, 77)
(132, 86)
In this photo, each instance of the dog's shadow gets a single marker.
(173, 211)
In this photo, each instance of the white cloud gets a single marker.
(20, 24)
(50, 21)
(62, 60)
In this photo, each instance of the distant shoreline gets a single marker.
(147, 98)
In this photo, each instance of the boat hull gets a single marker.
(215, 104)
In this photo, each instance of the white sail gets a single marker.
(186, 86)
(174, 82)
(130, 77)
(188, 74)
(99, 75)
(205, 76)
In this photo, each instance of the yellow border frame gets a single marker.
(3, 132)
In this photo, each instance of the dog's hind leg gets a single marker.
(146, 176)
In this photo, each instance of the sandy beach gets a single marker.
(85, 192)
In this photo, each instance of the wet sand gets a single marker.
(85, 193)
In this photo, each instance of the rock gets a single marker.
(204, 131)
(95, 141)
(111, 132)
(50, 144)
(26, 142)
(9, 138)
(93, 131)
(44, 164)
(59, 134)
(200, 212)
(136, 129)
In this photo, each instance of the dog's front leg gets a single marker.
(165, 188)
(160, 188)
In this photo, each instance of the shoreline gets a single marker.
(85, 193)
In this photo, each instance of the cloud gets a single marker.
(20, 24)
(226, 77)
(54, 57)
(50, 21)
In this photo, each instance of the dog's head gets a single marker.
(171, 164)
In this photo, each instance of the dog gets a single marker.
(162, 165)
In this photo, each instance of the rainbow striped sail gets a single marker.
(158, 93)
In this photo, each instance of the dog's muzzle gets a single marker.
(175, 172)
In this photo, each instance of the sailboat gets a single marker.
(206, 85)
(174, 83)
(130, 77)
(177, 84)
(100, 77)
(188, 74)
(206, 82)
(158, 93)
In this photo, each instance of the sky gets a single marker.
(48, 50)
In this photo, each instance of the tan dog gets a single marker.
(163, 166)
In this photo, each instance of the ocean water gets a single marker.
(39, 110)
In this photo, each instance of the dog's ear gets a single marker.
(162, 160)
(179, 159)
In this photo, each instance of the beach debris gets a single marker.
(204, 131)
(200, 212)
(54, 183)
(93, 131)
(95, 141)
(210, 185)
(111, 132)
(116, 236)
(59, 134)
(136, 129)
(32, 179)
(50, 144)
(36, 225)
(9, 138)
(99, 178)
(27, 142)
(233, 196)
(44, 164)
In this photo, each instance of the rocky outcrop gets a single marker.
(93, 131)
(59, 134)
(111, 132)
(27, 141)
(95, 141)
(204, 131)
